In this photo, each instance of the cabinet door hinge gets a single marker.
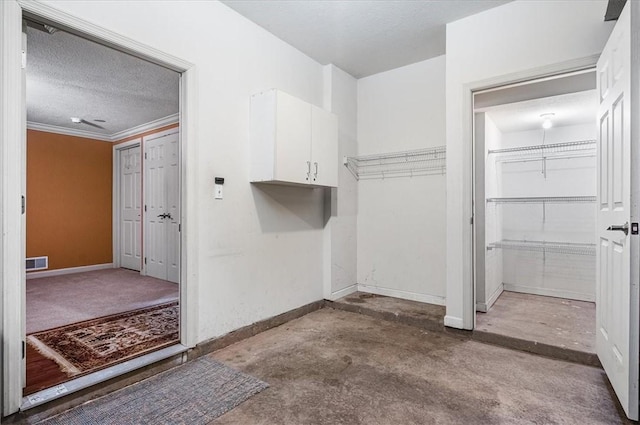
(179, 227)
(24, 349)
(24, 59)
(145, 260)
(145, 208)
(24, 204)
(145, 155)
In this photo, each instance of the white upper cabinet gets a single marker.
(292, 141)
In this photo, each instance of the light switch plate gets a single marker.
(218, 191)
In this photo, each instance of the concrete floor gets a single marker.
(554, 321)
(338, 367)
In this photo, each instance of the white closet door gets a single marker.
(130, 208)
(162, 201)
(173, 208)
(617, 252)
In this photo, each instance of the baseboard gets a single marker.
(245, 332)
(70, 270)
(453, 322)
(405, 295)
(549, 292)
(343, 292)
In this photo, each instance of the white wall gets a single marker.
(260, 250)
(553, 274)
(341, 203)
(518, 37)
(401, 221)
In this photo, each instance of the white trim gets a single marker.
(464, 245)
(68, 131)
(143, 128)
(115, 193)
(69, 270)
(12, 154)
(115, 137)
(160, 134)
(548, 292)
(453, 322)
(343, 292)
(405, 295)
(485, 307)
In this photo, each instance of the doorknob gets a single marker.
(624, 228)
(168, 215)
(162, 215)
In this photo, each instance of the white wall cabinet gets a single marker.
(292, 141)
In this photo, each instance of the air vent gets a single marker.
(37, 263)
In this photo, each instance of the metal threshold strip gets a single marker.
(86, 381)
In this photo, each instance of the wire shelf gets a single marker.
(544, 246)
(543, 200)
(577, 149)
(419, 162)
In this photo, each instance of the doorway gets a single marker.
(535, 195)
(82, 314)
(13, 260)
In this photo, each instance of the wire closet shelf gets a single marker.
(545, 247)
(544, 200)
(565, 150)
(420, 162)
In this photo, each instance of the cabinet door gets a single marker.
(293, 139)
(324, 148)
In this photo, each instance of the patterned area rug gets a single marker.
(87, 346)
(194, 393)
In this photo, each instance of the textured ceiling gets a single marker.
(362, 37)
(68, 76)
(569, 109)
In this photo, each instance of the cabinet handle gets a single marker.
(316, 173)
(308, 169)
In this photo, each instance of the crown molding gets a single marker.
(68, 131)
(134, 131)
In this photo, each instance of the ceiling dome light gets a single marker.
(546, 120)
(76, 120)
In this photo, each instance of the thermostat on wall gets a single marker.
(219, 181)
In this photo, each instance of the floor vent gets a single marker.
(37, 263)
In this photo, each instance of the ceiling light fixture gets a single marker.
(546, 120)
(76, 120)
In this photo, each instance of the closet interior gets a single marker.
(536, 194)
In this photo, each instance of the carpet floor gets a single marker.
(61, 300)
(194, 393)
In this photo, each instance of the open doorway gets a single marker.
(93, 114)
(535, 202)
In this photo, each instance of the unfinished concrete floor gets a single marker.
(554, 321)
(332, 367)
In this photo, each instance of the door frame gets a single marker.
(117, 150)
(13, 146)
(467, 289)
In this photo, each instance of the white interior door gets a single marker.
(130, 208)
(162, 206)
(617, 254)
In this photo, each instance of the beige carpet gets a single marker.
(62, 300)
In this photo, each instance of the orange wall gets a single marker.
(69, 185)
